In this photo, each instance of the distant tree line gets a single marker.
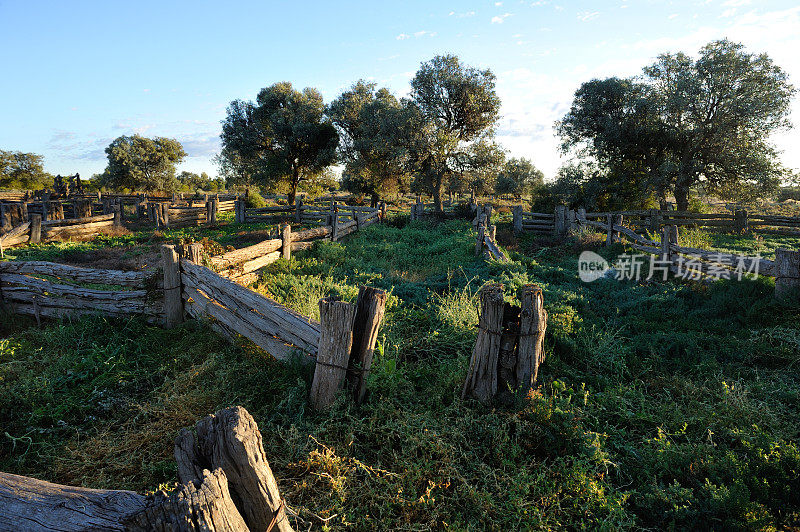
(439, 140)
(685, 125)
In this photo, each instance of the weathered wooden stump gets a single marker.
(230, 441)
(346, 345)
(509, 347)
(370, 307)
(226, 486)
(333, 352)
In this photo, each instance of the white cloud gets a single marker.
(462, 15)
(673, 16)
(586, 16)
(500, 18)
(402, 37)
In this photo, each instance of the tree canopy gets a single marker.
(374, 132)
(685, 122)
(283, 138)
(518, 177)
(20, 170)
(140, 163)
(455, 108)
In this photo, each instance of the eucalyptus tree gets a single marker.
(281, 139)
(518, 176)
(374, 132)
(455, 108)
(686, 122)
(141, 163)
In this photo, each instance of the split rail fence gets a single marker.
(562, 219)
(702, 263)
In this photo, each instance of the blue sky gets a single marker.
(79, 74)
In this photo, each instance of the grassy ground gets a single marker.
(662, 404)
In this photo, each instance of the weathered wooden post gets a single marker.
(24, 210)
(333, 353)
(286, 241)
(787, 269)
(209, 211)
(173, 299)
(581, 214)
(740, 221)
(481, 235)
(117, 209)
(493, 233)
(193, 252)
(165, 214)
(617, 222)
(572, 221)
(5, 217)
(532, 327)
(517, 218)
(383, 211)
(481, 380)
(509, 347)
(335, 226)
(370, 307)
(298, 211)
(214, 208)
(560, 221)
(238, 208)
(36, 229)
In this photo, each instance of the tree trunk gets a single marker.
(437, 194)
(374, 200)
(293, 186)
(682, 197)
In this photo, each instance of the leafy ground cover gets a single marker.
(662, 404)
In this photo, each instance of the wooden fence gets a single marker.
(695, 263)
(51, 290)
(653, 220)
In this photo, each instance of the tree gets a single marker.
(374, 130)
(282, 138)
(456, 107)
(518, 177)
(23, 171)
(191, 182)
(139, 163)
(686, 122)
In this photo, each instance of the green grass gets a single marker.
(662, 404)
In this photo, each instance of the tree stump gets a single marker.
(230, 440)
(227, 486)
(203, 504)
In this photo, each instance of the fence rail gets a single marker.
(702, 263)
